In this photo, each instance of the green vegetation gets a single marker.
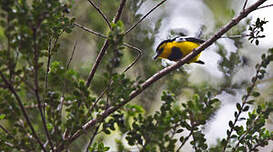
(71, 79)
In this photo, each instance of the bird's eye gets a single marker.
(179, 39)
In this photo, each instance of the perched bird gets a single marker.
(178, 47)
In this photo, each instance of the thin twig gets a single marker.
(236, 36)
(270, 5)
(92, 138)
(97, 62)
(104, 48)
(245, 98)
(90, 31)
(36, 84)
(3, 86)
(162, 73)
(105, 37)
(137, 58)
(132, 27)
(99, 97)
(18, 99)
(6, 131)
(100, 12)
(119, 12)
(60, 106)
(50, 49)
(48, 63)
(183, 143)
(245, 4)
(72, 55)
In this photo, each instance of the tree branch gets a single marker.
(185, 140)
(18, 99)
(245, 4)
(105, 37)
(72, 55)
(97, 62)
(104, 48)
(132, 27)
(36, 84)
(119, 12)
(165, 71)
(90, 31)
(92, 138)
(137, 58)
(101, 13)
(270, 5)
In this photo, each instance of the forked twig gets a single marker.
(105, 37)
(270, 5)
(101, 13)
(137, 58)
(132, 27)
(72, 55)
(90, 31)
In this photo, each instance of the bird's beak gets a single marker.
(156, 55)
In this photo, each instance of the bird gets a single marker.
(176, 48)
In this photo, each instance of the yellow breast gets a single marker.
(185, 47)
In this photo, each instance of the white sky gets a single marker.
(181, 15)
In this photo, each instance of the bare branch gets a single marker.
(137, 58)
(132, 27)
(119, 12)
(50, 49)
(236, 36)
(100, 12)
(90, 31)
(6, 131)
(18, 99)
(97, 62)
(104, 48)
(3, 86)
(245, 4)
(48, 63)
(71, 57)
(92, 137)
(36, 84)
(270, 5)
(184, 141)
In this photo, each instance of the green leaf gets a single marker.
(238, 106)
(246, 108)
(255, 94)
(2, 116)
(179, 130)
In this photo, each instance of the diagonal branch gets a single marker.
(119, 12)
(132, 27)
(246, 1)
(270, 5)
(104, 48)
(18, 99)
(100, 12)
(36, 84)
(139, 51)
(97, 62)
(105, 37)
(90, 31)
(165, 71)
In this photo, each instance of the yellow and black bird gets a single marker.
(178, 47)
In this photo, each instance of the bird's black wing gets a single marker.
(195, 40)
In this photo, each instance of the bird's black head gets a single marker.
(160, 47)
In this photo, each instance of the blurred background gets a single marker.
(229, 63)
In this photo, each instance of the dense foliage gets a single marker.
(50, 103)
